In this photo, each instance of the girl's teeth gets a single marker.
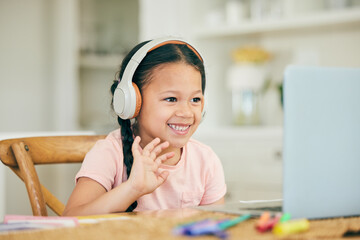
(178, 128)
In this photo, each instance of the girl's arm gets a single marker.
(220, 201)
(90, 197)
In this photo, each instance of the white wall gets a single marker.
(25, 82)
(64, 48)
(24, 77)
(38, 85)
(2, 191)
(159, 18)
(38, 45)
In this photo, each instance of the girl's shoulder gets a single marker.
(199, 148)
(114, 135)
(111, 141)
(201, 156)
(197, 144)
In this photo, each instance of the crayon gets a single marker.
(265, 216)
(290, 227)
(180, 229)
(208, 226)
(285, 217)
(232, 222)
(263, 226)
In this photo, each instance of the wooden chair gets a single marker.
(21, 154)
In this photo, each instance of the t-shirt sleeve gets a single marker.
(215, 187)
(101, 163)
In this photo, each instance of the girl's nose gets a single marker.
(184, 110)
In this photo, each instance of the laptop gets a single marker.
(321, 149)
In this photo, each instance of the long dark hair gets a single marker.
(169, 53)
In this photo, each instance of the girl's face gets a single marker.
(172, 104)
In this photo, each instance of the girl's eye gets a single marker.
(170, 99)
(196, 100)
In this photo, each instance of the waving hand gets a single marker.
(145, 176)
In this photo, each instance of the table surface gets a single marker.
(159, 225)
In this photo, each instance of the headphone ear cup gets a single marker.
(138, 100)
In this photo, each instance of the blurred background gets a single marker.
(59, 57)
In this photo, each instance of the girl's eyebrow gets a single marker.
(175, 91)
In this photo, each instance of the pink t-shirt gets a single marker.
(197, 179)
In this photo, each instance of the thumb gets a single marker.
(135, 148)
(161, 178)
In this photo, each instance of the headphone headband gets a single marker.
(178, 42)
(125, 100)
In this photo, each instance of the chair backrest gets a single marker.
(22, 154)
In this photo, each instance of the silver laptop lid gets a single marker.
(321, 142)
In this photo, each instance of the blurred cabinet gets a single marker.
(252, 160)
(314, 20)
(309, 34)
(108, 30)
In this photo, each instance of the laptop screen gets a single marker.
(321, 142)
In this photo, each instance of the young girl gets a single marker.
(151, 163)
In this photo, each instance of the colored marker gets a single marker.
(269, 224)
(285, 217)
(232, 222)
(265, 216)
(180, 229)
(209, 226)
(290, 227)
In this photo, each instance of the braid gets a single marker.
(127, 141)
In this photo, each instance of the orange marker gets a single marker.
(261, 223)
(265, 216)
(267, 223)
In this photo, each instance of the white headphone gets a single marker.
(127, 97)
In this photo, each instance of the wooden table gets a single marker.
(159, 225)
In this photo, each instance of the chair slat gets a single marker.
(31, 179)
(48, 150)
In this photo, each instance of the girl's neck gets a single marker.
(175, 159)
(172, 161)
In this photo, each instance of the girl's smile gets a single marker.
(172, 104)
(180, 129)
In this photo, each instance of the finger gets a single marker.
(158, 149)
(140, 149)
(150, 146)
(162, 177)
(135, 148)
(164, 157)
(160, 160)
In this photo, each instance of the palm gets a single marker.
(145, 175)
